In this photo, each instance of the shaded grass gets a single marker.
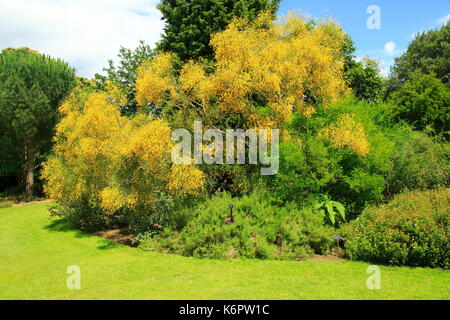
(6, 204)
(36, 251)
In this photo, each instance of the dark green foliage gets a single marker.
(254, 229)
(236, 179)
(418, 162)
(363, 77)
(190, 23)
(31, 88)
(306, 169)
(124, 75)
(428, 53)
(84, 217)
(365, 80)
(413, 229)
(423, 100)
(419, 83)
(347, 50)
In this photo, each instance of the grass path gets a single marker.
(36, 251)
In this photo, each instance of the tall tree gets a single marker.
(32, 86)
(365, 80)
(363, 77)
(428, 53)
(190, 23)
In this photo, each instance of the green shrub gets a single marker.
(310, 167)
(307, 168)
(256, 229)
(83, 216)
(413, 229)
(399, 159)
(418, 162)
(86, 217)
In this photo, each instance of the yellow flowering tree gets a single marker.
(347, 133)
(113, 162)
(263, 73)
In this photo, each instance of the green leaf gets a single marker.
(340, 209)
(318, 206)
(330, 211)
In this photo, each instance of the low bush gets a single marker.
(84, 217)
(255, 229)
(419, 161)
(413, 229)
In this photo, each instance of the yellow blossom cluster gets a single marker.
(263, 71)
(347, 133)
(111, 161)
(154, 78)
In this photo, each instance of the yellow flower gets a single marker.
(347, 133)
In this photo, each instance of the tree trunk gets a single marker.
(29, 173)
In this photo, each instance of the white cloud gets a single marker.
(85, 33)
(443, 20)
(389, 48)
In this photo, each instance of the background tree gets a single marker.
(347, 50)
(365, 80)
(419, 81)
(32, 86)
(363, 77)
(190, 23)
(423, 100)
(428, 53)
(124, 74)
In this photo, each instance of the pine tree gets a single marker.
(32, 86)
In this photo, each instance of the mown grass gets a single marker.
(36, 251)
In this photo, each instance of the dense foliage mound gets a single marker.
(413, 229)
(395, 157)
(254, 229)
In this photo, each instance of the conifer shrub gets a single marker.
(254, 229)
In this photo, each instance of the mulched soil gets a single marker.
(121, 236)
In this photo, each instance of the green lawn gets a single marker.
(36, 251)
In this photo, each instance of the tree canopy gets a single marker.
(423, 100)
(365, 80)
(428, 53)
(124, 74)
(419, 82)
(190, 23)
(263, 72)
(32, 86)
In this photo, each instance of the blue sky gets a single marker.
(86, 33)
(400, 20)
